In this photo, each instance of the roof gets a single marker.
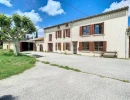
(104, 13)
(37, 39)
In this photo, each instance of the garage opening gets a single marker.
(27, 46)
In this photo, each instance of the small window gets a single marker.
(98, 46)
(86, 30)
(58, 27)
(98, 29)
(85, 46)
(67, 25)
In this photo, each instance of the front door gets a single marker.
(75, 47)
(41, 48)
(50, 47)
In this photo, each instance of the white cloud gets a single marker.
(35, 17)
(116, 5)
(40, 31)
(6, 3)
(52, 8)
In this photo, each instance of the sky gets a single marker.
(45, 13)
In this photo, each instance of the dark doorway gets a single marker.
(41, 48)
(50, 47)
(75, 47)
(27, 46)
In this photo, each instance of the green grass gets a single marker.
(60, 66)
(13, 65)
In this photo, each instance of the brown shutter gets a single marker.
(92, 29)
(56, 46)
(81, 31)
(56, 34)
(64, 33)
(69, 32)
(91, 46)
(20, 46)
(63, 46)
(80, 46)
(103, 28)
(104, 46)
(61, 34)
(60, 46)
(69, 46)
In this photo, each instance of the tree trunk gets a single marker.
(16, 48)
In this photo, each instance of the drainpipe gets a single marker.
(71, 36)
(126, 44)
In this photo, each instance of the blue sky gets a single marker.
(46, 13)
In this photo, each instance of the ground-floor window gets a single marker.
(98, 46)
(66, 46)
(58, 46)
(85, 46)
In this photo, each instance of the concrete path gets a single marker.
(113, 68)
(45, 82)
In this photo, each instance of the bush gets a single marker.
(11, 50)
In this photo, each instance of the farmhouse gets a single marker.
(92, 36)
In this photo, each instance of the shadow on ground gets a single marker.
(7, 97)
(37, 56)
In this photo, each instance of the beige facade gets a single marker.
(8, 45)
(111, 38)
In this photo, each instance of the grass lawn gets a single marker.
(12, 65)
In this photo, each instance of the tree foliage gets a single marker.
(14, 28)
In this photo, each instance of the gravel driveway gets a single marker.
(45, 82)
(113, 68)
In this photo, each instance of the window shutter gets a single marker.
(61, 34)
(20, 46)
(64, 34)
(56, 34)
(63, 46)
(60, 46)
(69, 46)
(81, 31)
(104, 46)
(56, 46)
(69, 32)
(91, 46)
(80, 46)
(103, 28)
(92, 29)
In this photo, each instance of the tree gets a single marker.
(15, 28)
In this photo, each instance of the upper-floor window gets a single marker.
(67, 33)
(98, 46)
(67, 25)
(85, 46)
(98, 28)
(86, 30)
(58, 27)
(59, 34)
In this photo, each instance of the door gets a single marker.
(41, 48)
(50, 47)
(75, 47)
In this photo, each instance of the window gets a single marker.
(86, 30)
(59, 34)
(98, 46)
(85, 46)
(66, 25)
(67, 33)
(50, 37)
(58, 27)
(98, 29)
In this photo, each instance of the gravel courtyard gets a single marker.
(46, 82)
